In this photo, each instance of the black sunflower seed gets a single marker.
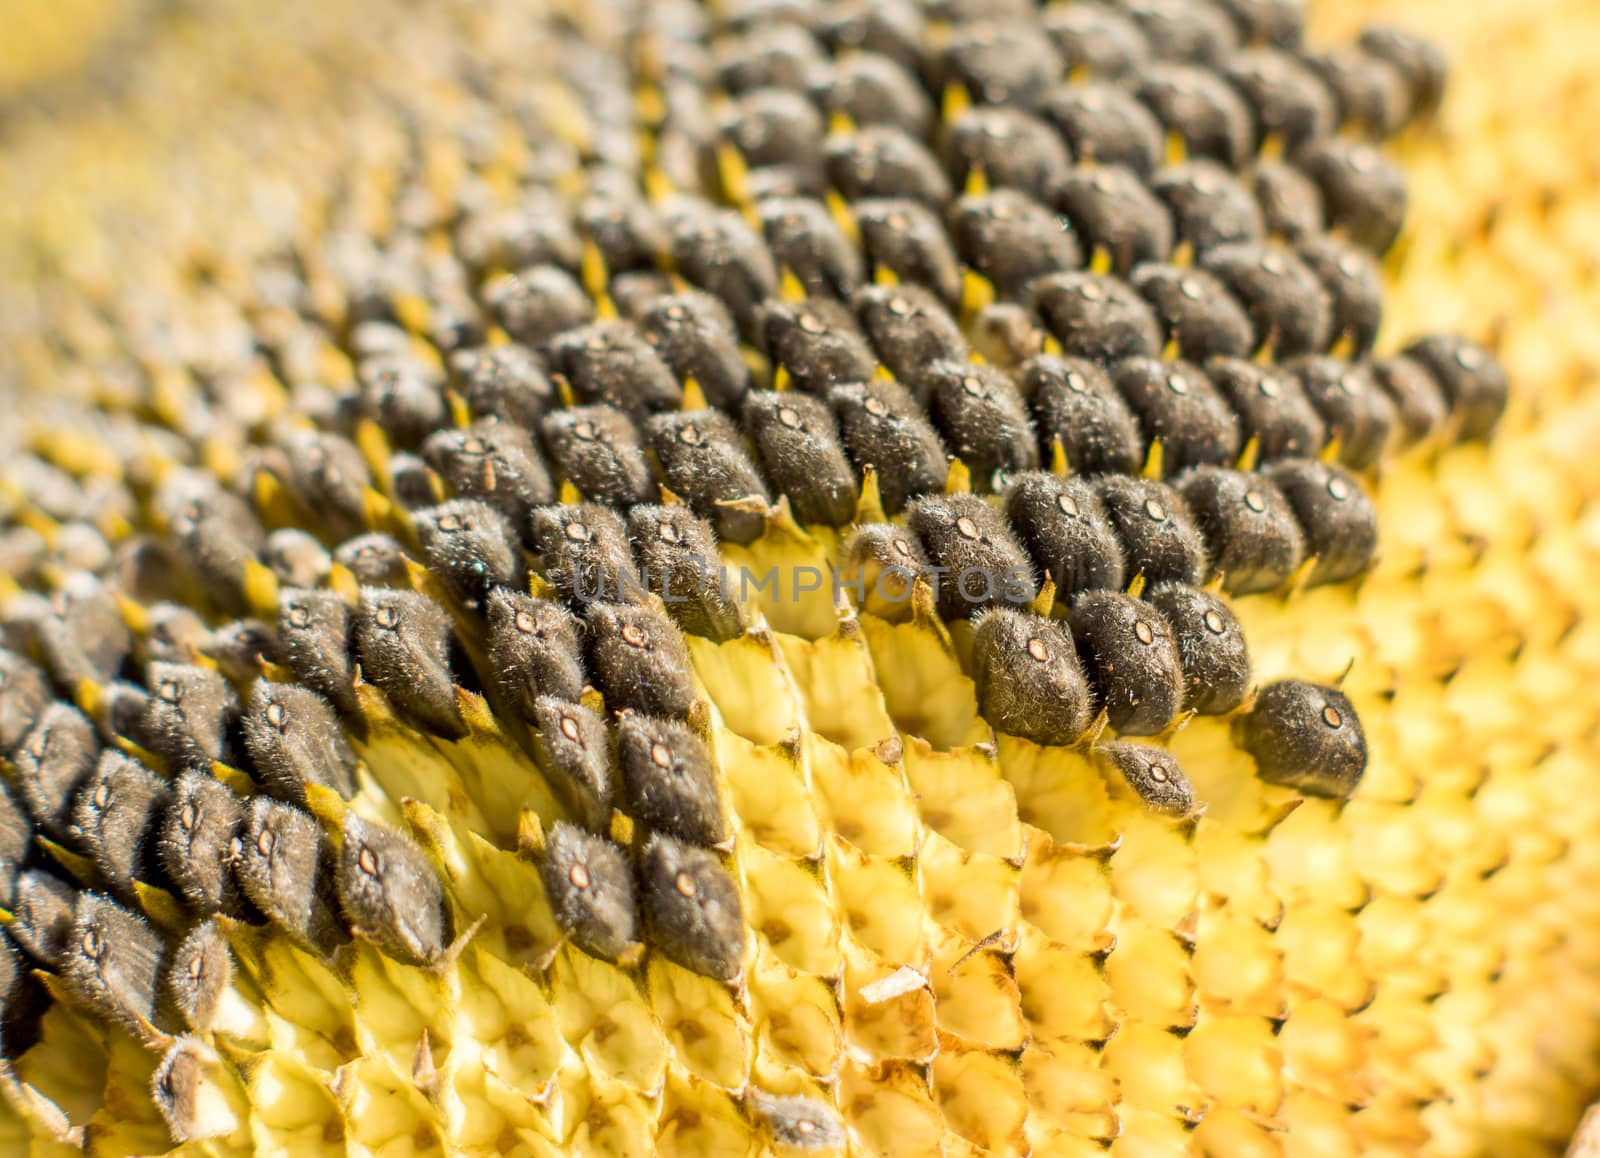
(1177, 406)
(590, 888)
(472, 547)
(197, 974)
(295, 739)
(1153, 774)
(112, 960)
(703, 460)
(403, 642)
(54, 759)
(1252, 537)
(1075, 402)
(1101, 319)
(909, 328)
(1029, 682)
(1305, 736)
(1354, 408)
(195, 842)
(696, 336)
(1339, 521)
(799, 450)
(974, 555)
(1197, 311)
(599, 451)
(691, 908)
(1474, 383)
(1211, 647)
(1012, 239)
(118, 806)
(494, 463)
(573, 750)
(282, 861)
(1131, 659)
(668, 779)
(1067, 531)
(818, 343)
(639, 659)
(390, 893)
(1112, 210)
(584, 554)
(983, 418)
(314, 627)
(1159, 537)
(677, 554)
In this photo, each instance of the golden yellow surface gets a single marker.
(1415, 972)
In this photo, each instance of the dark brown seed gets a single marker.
(472, 547)
(573, 750)
(882, 427)
(282, 862)
(1271, 407)
(1075, 402)
(42, 907)
(1012, 239)
(1200, 107)
(1029, 683)
(1209, 205)
(314, 627)
(975, 558)
(1067, 531)
(1131, 659)
(907, 239)
(52, 763)
(881, 161)
(1111, 209)
(613, 362)
(390, 893)
(1101, 319)
(1288, 304)
(1363, 191)
(1353, 407)
(583, 553)
(1419, 404)
(818, 343)
(983, 418)
(195, 842)
(1104, 124)
(503, 382)
(639, 660)
(1307, 737)
(1159, 537)
(678, 556)
(703, 460)
(295, 739)
(695, 335)
(1250, 531)
(494, 463)
(403, 641)
(1153, 774)
(1474, 383)
(590, 889)
(1011, 150)
(799, 450)
(118, 808)
(1197, 312)
(1211, 647)
(909, 328)
(1177, 405)
(668, 779)
(1339, 521)
(198, 972)
(112, 960)
(598, 449)
(691, 906)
